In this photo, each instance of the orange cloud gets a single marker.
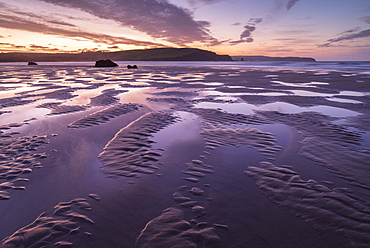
(23, 23)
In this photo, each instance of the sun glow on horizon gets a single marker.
(301, 28)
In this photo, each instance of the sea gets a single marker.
(355, 66)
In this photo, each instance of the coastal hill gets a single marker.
(156, 54)
(169, 54)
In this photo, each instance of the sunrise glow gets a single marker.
(325, 30)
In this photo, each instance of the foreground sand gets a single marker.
(183, 157)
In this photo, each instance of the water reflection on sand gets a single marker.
(210, 155)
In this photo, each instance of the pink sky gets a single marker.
(325, 30)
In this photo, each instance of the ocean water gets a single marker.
(355, 66)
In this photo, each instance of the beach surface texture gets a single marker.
(185, 154)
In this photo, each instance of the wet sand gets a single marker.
(183, 157)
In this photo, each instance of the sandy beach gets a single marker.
(184, 156)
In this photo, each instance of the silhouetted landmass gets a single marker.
(105, 63)
(266, 58)
(169, 54)
(156, 54)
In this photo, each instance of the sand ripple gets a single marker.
(215, 116)
(314, 124)
(332, 146)
(57, 108)
(261, 141)
(128, 154)
(171, 230)
(16, 159)
(45, 229)
(14, 101)
(321, 207)
(104, 115)
(107, 97)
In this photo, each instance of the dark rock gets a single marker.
(32, 63)
(105, 63)
(132, 67)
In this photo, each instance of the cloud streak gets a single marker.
(246, 35)
(207, 1)
(365, 19)
(348, 36)
(27, 24)
(290, 4)
(10, 47)
(157, 18)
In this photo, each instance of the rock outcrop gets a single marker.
(132, 67)
(105, 63)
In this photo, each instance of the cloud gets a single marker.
(290, 4)
(14, 18)
(33, 46)
(246, 35)
(157, 18)
(23, 23)
(365, 19)
(10, 45)
(209, 1)
(294, 41)
(348, 36)
(37, 48)
(283, 50)
(51, 19)
(204, 2)
(205, 24)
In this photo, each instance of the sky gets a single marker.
(322, 29)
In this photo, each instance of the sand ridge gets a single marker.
(128, 153)
(17, 158)
(320, 207)
(46, 229)
(107, 97)
(171, 230)
(216, 117)
(330, 145)
(263, 142)
(57, 109)
(104, 115)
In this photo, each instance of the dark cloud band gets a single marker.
(25, 24)
(157, 18)
(246, 35)
(290, 4)
(348, 37)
